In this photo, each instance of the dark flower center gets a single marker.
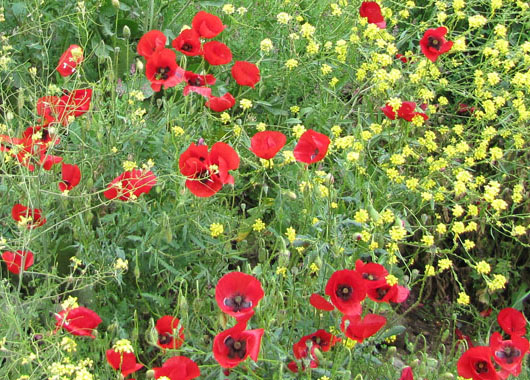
(315, 153)
(369, 276)
(434, 42)
(237, 303)
(481, 367)
(195, 82)
(317, 340)
(162, 73)
(236, 348)
(187, 47)
(344, 292)
(164, 338)
(381, 293)
(508, 353)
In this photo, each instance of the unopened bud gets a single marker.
(139, 66)
(126, 32)
(150, 374)
(448, 376)
(116, 4)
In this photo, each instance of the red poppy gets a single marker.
(476, 364)
(196, 83)
(320, 303)
(48, 160)
(386, 293)
(512, 321)
(162, 69)
(361, 328)
(460, 336)
(71, 175)
(464, 108)
(14, 260)
(406, 111)
(509, 354)
(321, 340)
(234, 345)
(433, 43)
(79, 321)
(26, 148)
(69, 60)
(125, 362)
(266, 144)
(47, 107)
(45, 137)
(178, 368)
(150, 42)
(245, 73)
(216, 53)
(372, 11)
(221, 103)
(207, 25)
(32, 218)
(207, 172)
(74, 104)
(169, 334)
(346, 290)
(237, 294)
(188, 43)
(312, 147)
(130, 185)
(406, 374)
(401, 57)
(373, 274)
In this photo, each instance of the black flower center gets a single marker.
(236, 348)
(481, 367)
(369, 276)
(194, 81)
(508, 353)
(344, 292)
(434, 42)
(164, 338)
(237, 303)
(315, 153)
(187, 47)
(162, 73)
(317, 340)
(381, 293)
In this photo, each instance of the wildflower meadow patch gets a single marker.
(264, 189)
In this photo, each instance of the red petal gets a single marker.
(320, 302)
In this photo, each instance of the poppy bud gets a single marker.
(415, 363)
(391, 350)
(20, 100)
(126, 32)
(139, 65)
(137, 271)
(150, 374)
(116, 4)
(448, 375)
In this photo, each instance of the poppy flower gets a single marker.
(237, 294)
(464, 108)
(74, 104)
(40, 135)
(373, 274)
(207, 172)
(169, 335)
(150, 42)
(14, 260)
(321, 340)
(69, 60)
(47, 107)
(48, 160)
(320, 303)
(406, 111)
(433, 43)
(476, 364)
(188, 43)
(361, 328)
(216, 53)
(372, 11)
(245, 73)
(403, 59)
(512, 321)
(178, 368)
(31, 218)
(162, 69)
(70, 175)
(79, 321)
(406, 374)
(130, 185)
(207, 25)
(387, 293)
(196, 83)
(312, 147)
(220, 103)
(266, 144)
(234, 345)
(509, 354)
(125, 362)
(346, 290)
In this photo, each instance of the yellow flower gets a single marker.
(291, 234)
(177, 131)
(444, 264)
(441, 228)
(476, 21)
(498, 282)
(291, 63)
(313, 268)
(258, 225)
(391, 280)
(325, 69)
(282, 271)
(216, 229)
(123, 345)
(333, 82)
(229, 9)
(518, 230)
(427, 240)
(245, 103)
(294, 109)
(225, 118)
(429, 270)
(463, 298)
(266, 45)
(397, 233)
(129, 165)
(483, 267)
(361, 216)
(283, 18)
(469, 244)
